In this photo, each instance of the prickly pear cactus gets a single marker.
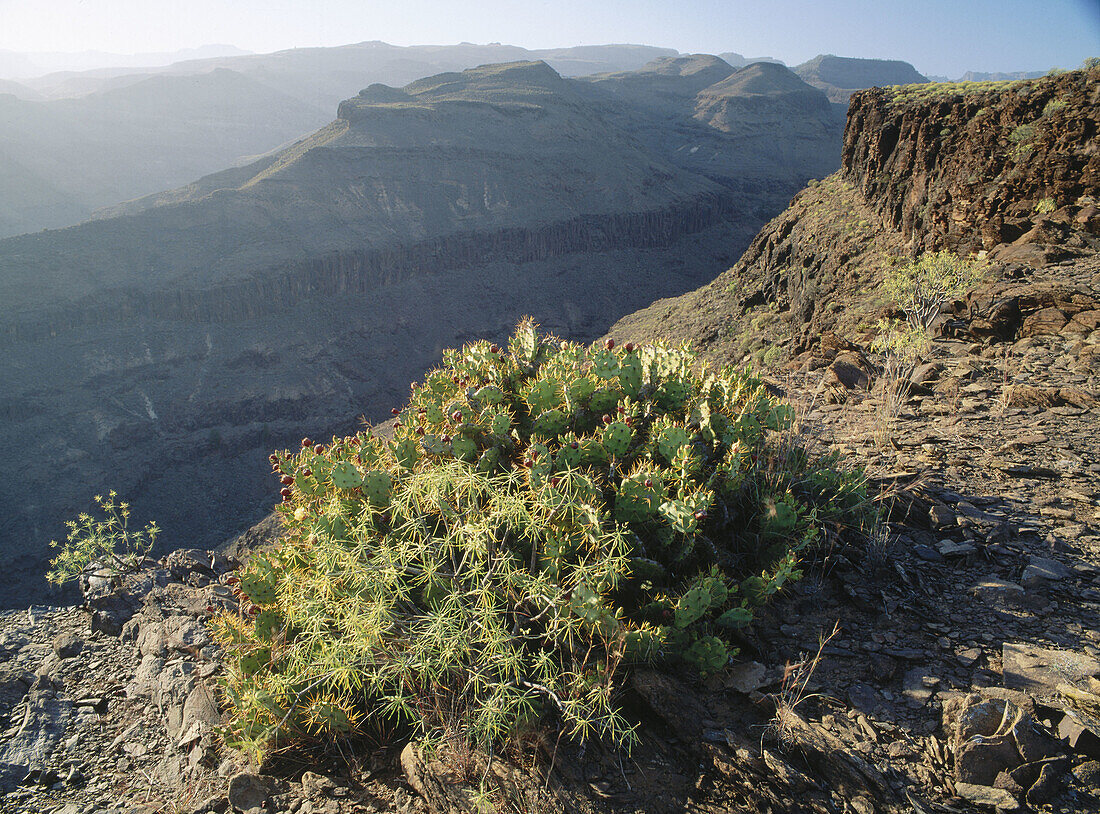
(601, 502)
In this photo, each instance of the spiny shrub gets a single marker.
(541, 515)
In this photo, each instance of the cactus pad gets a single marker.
(616, 439)
(378, 487)
(604, 400)
(551, 423)
(670, 440)
(500, 424)
(346, 476)
(489, 394)
(255, 660)
(463, 448)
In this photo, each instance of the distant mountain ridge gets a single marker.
(133, 133)
(167, 347)
(839, 77)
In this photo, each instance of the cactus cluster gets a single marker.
(540, 512)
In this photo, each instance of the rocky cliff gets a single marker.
(166, 348)
(1006, 168)
(971, 166)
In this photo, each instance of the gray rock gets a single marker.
(980, 760)
(1079, 735)
(248, 791)
(185, 633)
(1040, 670)
(1049, 782)
(1043, 569)
(1088, 774)
(746, 678)
(67, 645)
(987, 796)
(994, 590)
(40, 732)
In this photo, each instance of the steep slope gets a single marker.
(70, 157)
(1005, 168)
(839, 77)
(164, 350)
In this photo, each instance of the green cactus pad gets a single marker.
(541, 464)
(378, 487)
(259, 587)
(501, 424)
(580, 389)
(635, 502)
(543, 395)
(673, 394)
(670, 440)
(488, 460)
(308, 486)
(346, 476)
(463, 448)
(433, 413)
(268, 623)
(616, 439)
(551, 423)
(331, 717)
(708, 655)
(604, 400)
(255, 660)
(691, 607)
(779, 517)
(630, 375)
(489, 394)
(406, 453)
(605, 364)
(568, 456)
(592, 451)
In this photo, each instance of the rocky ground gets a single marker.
(964, 673)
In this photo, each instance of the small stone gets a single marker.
(968, 657)
(926, 553)
(979, 761)
(1088, 774)
(248, 791)
(949, 548)
(987, 796)
(745, 678)
(941, 516)
(996, 590)
(1078, 736)
(67, 645)
(1049, 782)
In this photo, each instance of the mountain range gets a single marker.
(165, 348)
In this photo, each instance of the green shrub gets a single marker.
(921, 287)
(543, 514)
(1053, 106)
(106, 543)
(1045, 206)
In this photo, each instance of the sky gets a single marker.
(942, 37)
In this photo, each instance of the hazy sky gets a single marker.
(937, 36)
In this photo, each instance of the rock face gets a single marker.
(166, 348)
(1005, 168)
(840, 77)
(970, 167)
